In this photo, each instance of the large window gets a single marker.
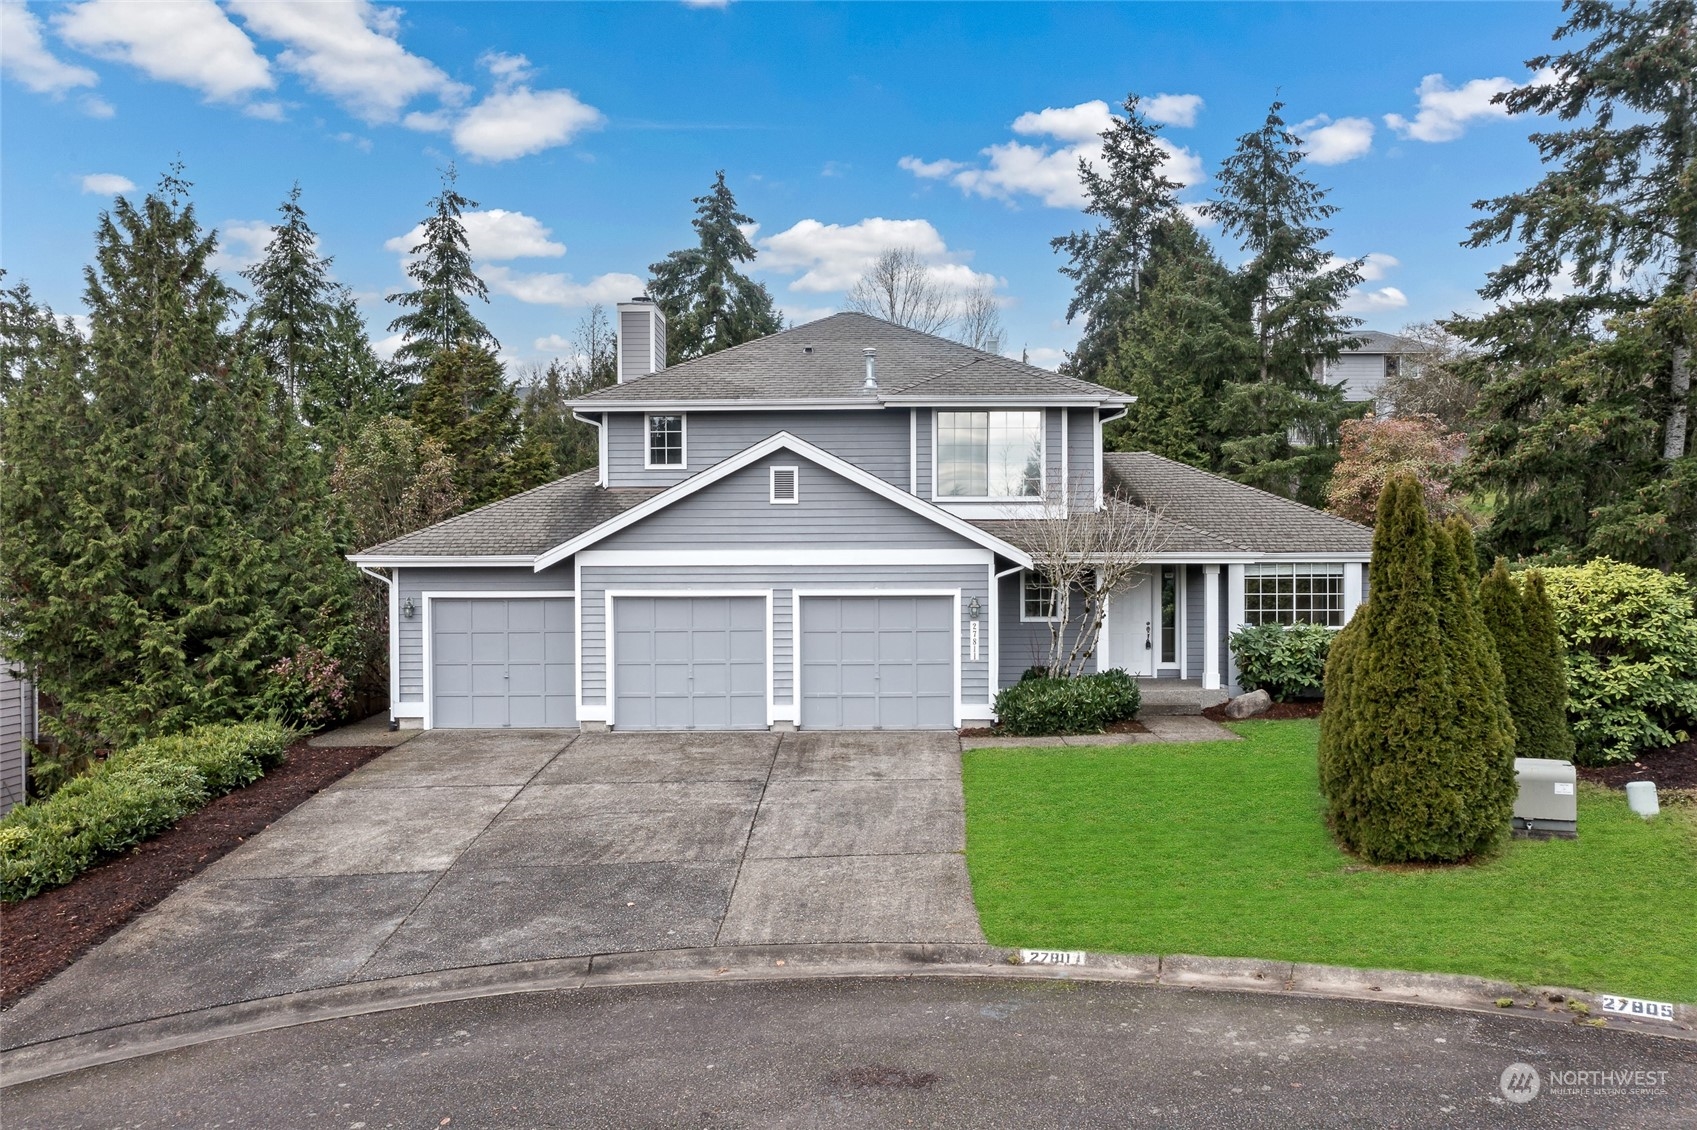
(989, 454)
(665, 441)
(1293, 594)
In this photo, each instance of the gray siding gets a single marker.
(971, 580)
(1362, 375)
(1025, 644)
(922, 469)
(1054, 471)
(1194, 595)
(415, 583)
(737, 511)
(634, 344)
(17, 727)
(875, 441)
(1081, 452)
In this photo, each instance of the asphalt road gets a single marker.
(941, 1053)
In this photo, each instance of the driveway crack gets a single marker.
(742, 859)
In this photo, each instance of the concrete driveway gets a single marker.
(464, 848)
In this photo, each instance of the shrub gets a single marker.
(1530, 650)
(307, 689)
(1084, 704)
(132, 795)
(1631, 636)
(1285, 661)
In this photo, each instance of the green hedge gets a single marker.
(1285, 661)
(131, 796)
(1631, 636)
(1087, 704)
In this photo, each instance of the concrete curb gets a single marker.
(812, 962)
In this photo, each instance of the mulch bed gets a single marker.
(46, 933)
(1674, 767)
(1279, 712)
(1126, 727)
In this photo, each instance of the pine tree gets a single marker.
(1133, 197)
(348, 387)
(466, 404)
(1545, 731)
(438, 316)
(1295, 295)
(290, 311)
(708, 302)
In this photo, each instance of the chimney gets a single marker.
(642, 338)
(871, 356)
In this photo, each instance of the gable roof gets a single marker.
(1252, 520)
(1377, 341)
(822, 362)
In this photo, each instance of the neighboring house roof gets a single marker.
(521, 526)
(822, 361)
(1377, 341)
(1252, 520)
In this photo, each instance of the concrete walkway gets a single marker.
(1161, 727)
(471, 848)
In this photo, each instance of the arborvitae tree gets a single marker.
(438, 316)
(466, 404)
(1505, 620)
(709, 303)
(1413, 743)
(349, 387)
(1133, 197)
(1295, 294)
(1544, 729)
(289, 316)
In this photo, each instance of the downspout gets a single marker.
(394, 643)
(996, 630)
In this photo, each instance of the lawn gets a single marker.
(1221, 849)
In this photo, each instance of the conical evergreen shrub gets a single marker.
(1543, 725)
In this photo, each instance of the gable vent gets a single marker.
(784, 484)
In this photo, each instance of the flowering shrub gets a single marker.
(307, 689)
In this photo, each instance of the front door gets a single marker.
(1132, 624)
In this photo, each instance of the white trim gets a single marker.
(1015, 508)
(407, 710)
(782, 557)
(1234, 613)
(750, 455)
(836, 404)
(1012, 499)
(428, 711)
(394, 583)
(798, 595)
(609, 635)
(1352, 586)
(1099, 484)
(995, 682)
(1023, 618)
(795, 486)
(577, 658)
(913, 451)
(400, 561)
(648, 443)
(1210, 627)
(601, 451)
(1178, 616)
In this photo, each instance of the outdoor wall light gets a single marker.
(972, 608)
(406, 608)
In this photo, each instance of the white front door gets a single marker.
(1132, 624)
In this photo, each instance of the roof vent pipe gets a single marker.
(871, 384)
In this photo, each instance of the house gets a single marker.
(1364, 369)
(17, 730)
(818, 529)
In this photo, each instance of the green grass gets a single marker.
(1221, 849)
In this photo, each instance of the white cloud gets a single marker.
(97, 107)
(1173, 109)
(1446, 111)
(707, 3)
(107, 184)
(1376, 264)
(191, 42)
(832, 257)
(24, 55)
(929, 170)
(241, 244)
(1383, 300)
(388, 347)
(800, 315)
(513, 120)
(548, 289)
(553, 343)
(1328, 142)
(348, 49)
(493, 234)
(1083, 122)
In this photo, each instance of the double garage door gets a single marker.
(503, 662)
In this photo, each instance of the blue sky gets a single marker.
(583, 130)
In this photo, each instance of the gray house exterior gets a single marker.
(821, 529)
(1364, 368)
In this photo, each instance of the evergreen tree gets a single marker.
(1505, 621)
(437, 315)
(288, 321)
(1295, 295)
(1132, 197)
(348, 387)
(466, 404)
(708, 302)
(1481, 758)
(1544, 729)
(1591, 453)
(573, 444)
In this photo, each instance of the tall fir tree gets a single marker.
(437, 314)
(708, 302)
(1132, 196)
(466, 404)
(291, 306)
(1586, 361)
(1283, 423)
(349, 387)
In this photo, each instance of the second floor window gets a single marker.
(665, 441)
(989, 454)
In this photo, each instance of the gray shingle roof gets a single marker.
(1249, 519)
(529, 523)
(1170, 536)
(823, 361)
(1377, 341)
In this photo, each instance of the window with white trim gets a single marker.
(1038, 598)
(989, 454)
(784, 486)
(1298, 593)
(665, 441)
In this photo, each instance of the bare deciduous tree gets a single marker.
(1428, 381)
(900, 288)
(979, 323)
(1086, 554)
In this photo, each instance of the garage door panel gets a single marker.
(488, 615)
(488, 647)
(877, 662)
(524, 647)
(525, 679)
(493, 665)
(690, 663)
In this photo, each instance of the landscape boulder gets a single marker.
(1249, 705)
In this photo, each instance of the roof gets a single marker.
(822, 361)
(1248, 519)
(524, 525)
(1171, 536)
(1377, 341)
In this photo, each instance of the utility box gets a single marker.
(1545, 804)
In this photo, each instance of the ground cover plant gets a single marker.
(1221, 849)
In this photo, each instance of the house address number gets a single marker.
(1643, 1010)
(1051, 957)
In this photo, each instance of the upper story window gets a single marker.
(1294, 594)
(665, 441)
(989, 454)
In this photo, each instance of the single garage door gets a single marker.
(507, 662)
(877, 663)
(689, 663)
